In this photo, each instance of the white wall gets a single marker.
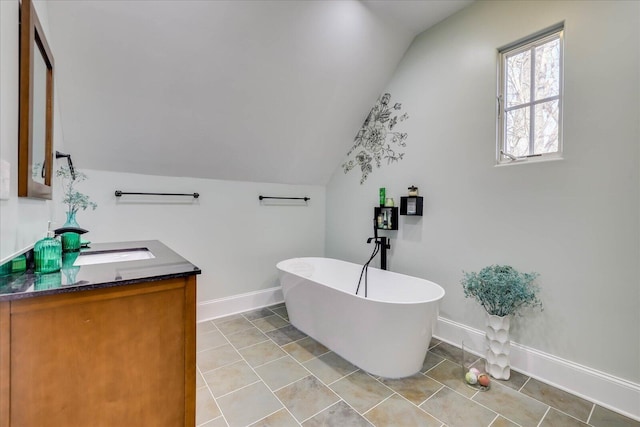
(22, 221)
(234, 239)
(227, 233)
(289, 79)
(574, 221)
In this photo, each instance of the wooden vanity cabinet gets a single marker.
(117, 356)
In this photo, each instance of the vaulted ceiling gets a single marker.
(266, 91)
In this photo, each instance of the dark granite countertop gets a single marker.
(166, 265)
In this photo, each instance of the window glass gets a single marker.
(530, 96)
(518, 78)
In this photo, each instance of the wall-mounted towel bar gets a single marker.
(284, 198)
(122, 193)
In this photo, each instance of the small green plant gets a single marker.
(74, 199)
(501, 289)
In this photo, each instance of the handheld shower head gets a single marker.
(375, 228)
(375, 232)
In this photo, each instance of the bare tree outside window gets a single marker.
(530, 96)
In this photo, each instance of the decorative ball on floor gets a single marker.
(471, 378)
(483, 380)
(476, 378)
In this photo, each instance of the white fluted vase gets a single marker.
(498, 347)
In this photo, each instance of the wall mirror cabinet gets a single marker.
(35, 129)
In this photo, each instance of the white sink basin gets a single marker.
(113, 256)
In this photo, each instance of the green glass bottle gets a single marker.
(47, 254)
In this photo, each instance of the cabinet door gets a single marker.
(5, 365)
(112, 357)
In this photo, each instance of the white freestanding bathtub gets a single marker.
(385, 334)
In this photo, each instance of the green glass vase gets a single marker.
(71, 241)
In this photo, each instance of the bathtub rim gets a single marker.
(437, 299)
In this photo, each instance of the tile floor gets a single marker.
(256, 369)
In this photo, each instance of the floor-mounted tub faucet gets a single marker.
(382, 244)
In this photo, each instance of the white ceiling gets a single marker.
(266, 91)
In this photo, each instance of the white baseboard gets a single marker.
(614, 393)
(208, 310)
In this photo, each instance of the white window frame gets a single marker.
(522, 45)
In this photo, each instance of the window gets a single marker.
(530, 98)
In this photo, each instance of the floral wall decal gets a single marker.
(374, 140)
